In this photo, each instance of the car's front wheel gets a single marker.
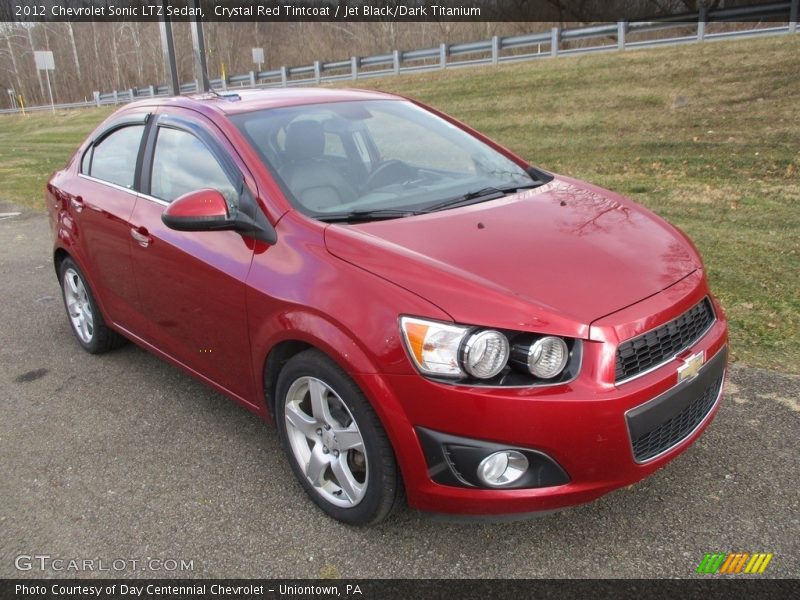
(335, 443)
(84, 315)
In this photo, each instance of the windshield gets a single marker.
(387, 157)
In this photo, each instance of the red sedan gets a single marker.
(419, 310)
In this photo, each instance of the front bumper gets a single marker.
(587, 427)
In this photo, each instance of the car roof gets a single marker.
(239, 100)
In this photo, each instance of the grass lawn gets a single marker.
(706, 135)
(33, 146)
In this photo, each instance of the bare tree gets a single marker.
(29, 31)
(13, 58)
(104, 56)
(75, 58)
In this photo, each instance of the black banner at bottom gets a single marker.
(369, 589)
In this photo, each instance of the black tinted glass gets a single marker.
(114, 158)
(182, 164)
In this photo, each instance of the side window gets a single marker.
(182, 163)
(114, 158)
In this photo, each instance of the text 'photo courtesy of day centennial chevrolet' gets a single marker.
(425, 316)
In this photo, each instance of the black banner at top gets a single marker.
(391, 10)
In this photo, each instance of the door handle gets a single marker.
(142, 236)
(76, 202)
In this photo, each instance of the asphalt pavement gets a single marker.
(123, 457)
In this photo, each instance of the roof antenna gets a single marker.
(213, 91)
(199, 50)
(232, 97)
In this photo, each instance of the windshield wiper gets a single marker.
(368, 215)
(487, 193)
(482, 195)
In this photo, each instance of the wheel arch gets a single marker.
(278, 356)
(338, 346)
(307, 331)
(59, 254)
(384, 403)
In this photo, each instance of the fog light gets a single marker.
(502, 468)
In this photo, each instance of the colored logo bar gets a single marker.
(735, 562)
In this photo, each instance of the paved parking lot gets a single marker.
(125, 457)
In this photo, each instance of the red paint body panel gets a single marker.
(101, 231)
(572, 253)
(192, 295)
(201, 203)
(566, 259)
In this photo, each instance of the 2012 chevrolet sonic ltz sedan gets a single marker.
(420, 311)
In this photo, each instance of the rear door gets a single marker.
(101, 202)
(192, 284)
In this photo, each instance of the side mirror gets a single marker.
(200, 210)
(207, 210)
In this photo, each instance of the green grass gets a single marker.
(722, 163)
(706, 135)
(33, 146)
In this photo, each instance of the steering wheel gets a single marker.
(389, 171)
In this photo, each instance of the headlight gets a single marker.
(434, 346)
(485, 354)
(545, 358)
(466, 352)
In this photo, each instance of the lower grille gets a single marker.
(668, 433)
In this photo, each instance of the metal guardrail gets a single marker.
(485, 52)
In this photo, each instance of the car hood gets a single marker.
(551, 259)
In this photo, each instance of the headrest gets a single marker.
(304, 139)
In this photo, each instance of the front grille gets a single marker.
(676, 428)
(654, 347)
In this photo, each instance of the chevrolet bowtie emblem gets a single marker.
(691, 366)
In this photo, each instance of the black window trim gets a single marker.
(113, 127)
(194, 128)
(247, 203)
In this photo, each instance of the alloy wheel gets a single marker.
(326, 441)
(78, 305)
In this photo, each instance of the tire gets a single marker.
(334, 441)
(84, 315)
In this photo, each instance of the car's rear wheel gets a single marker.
(85, 317)
(335, 443)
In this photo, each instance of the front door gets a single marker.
(192, 284)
